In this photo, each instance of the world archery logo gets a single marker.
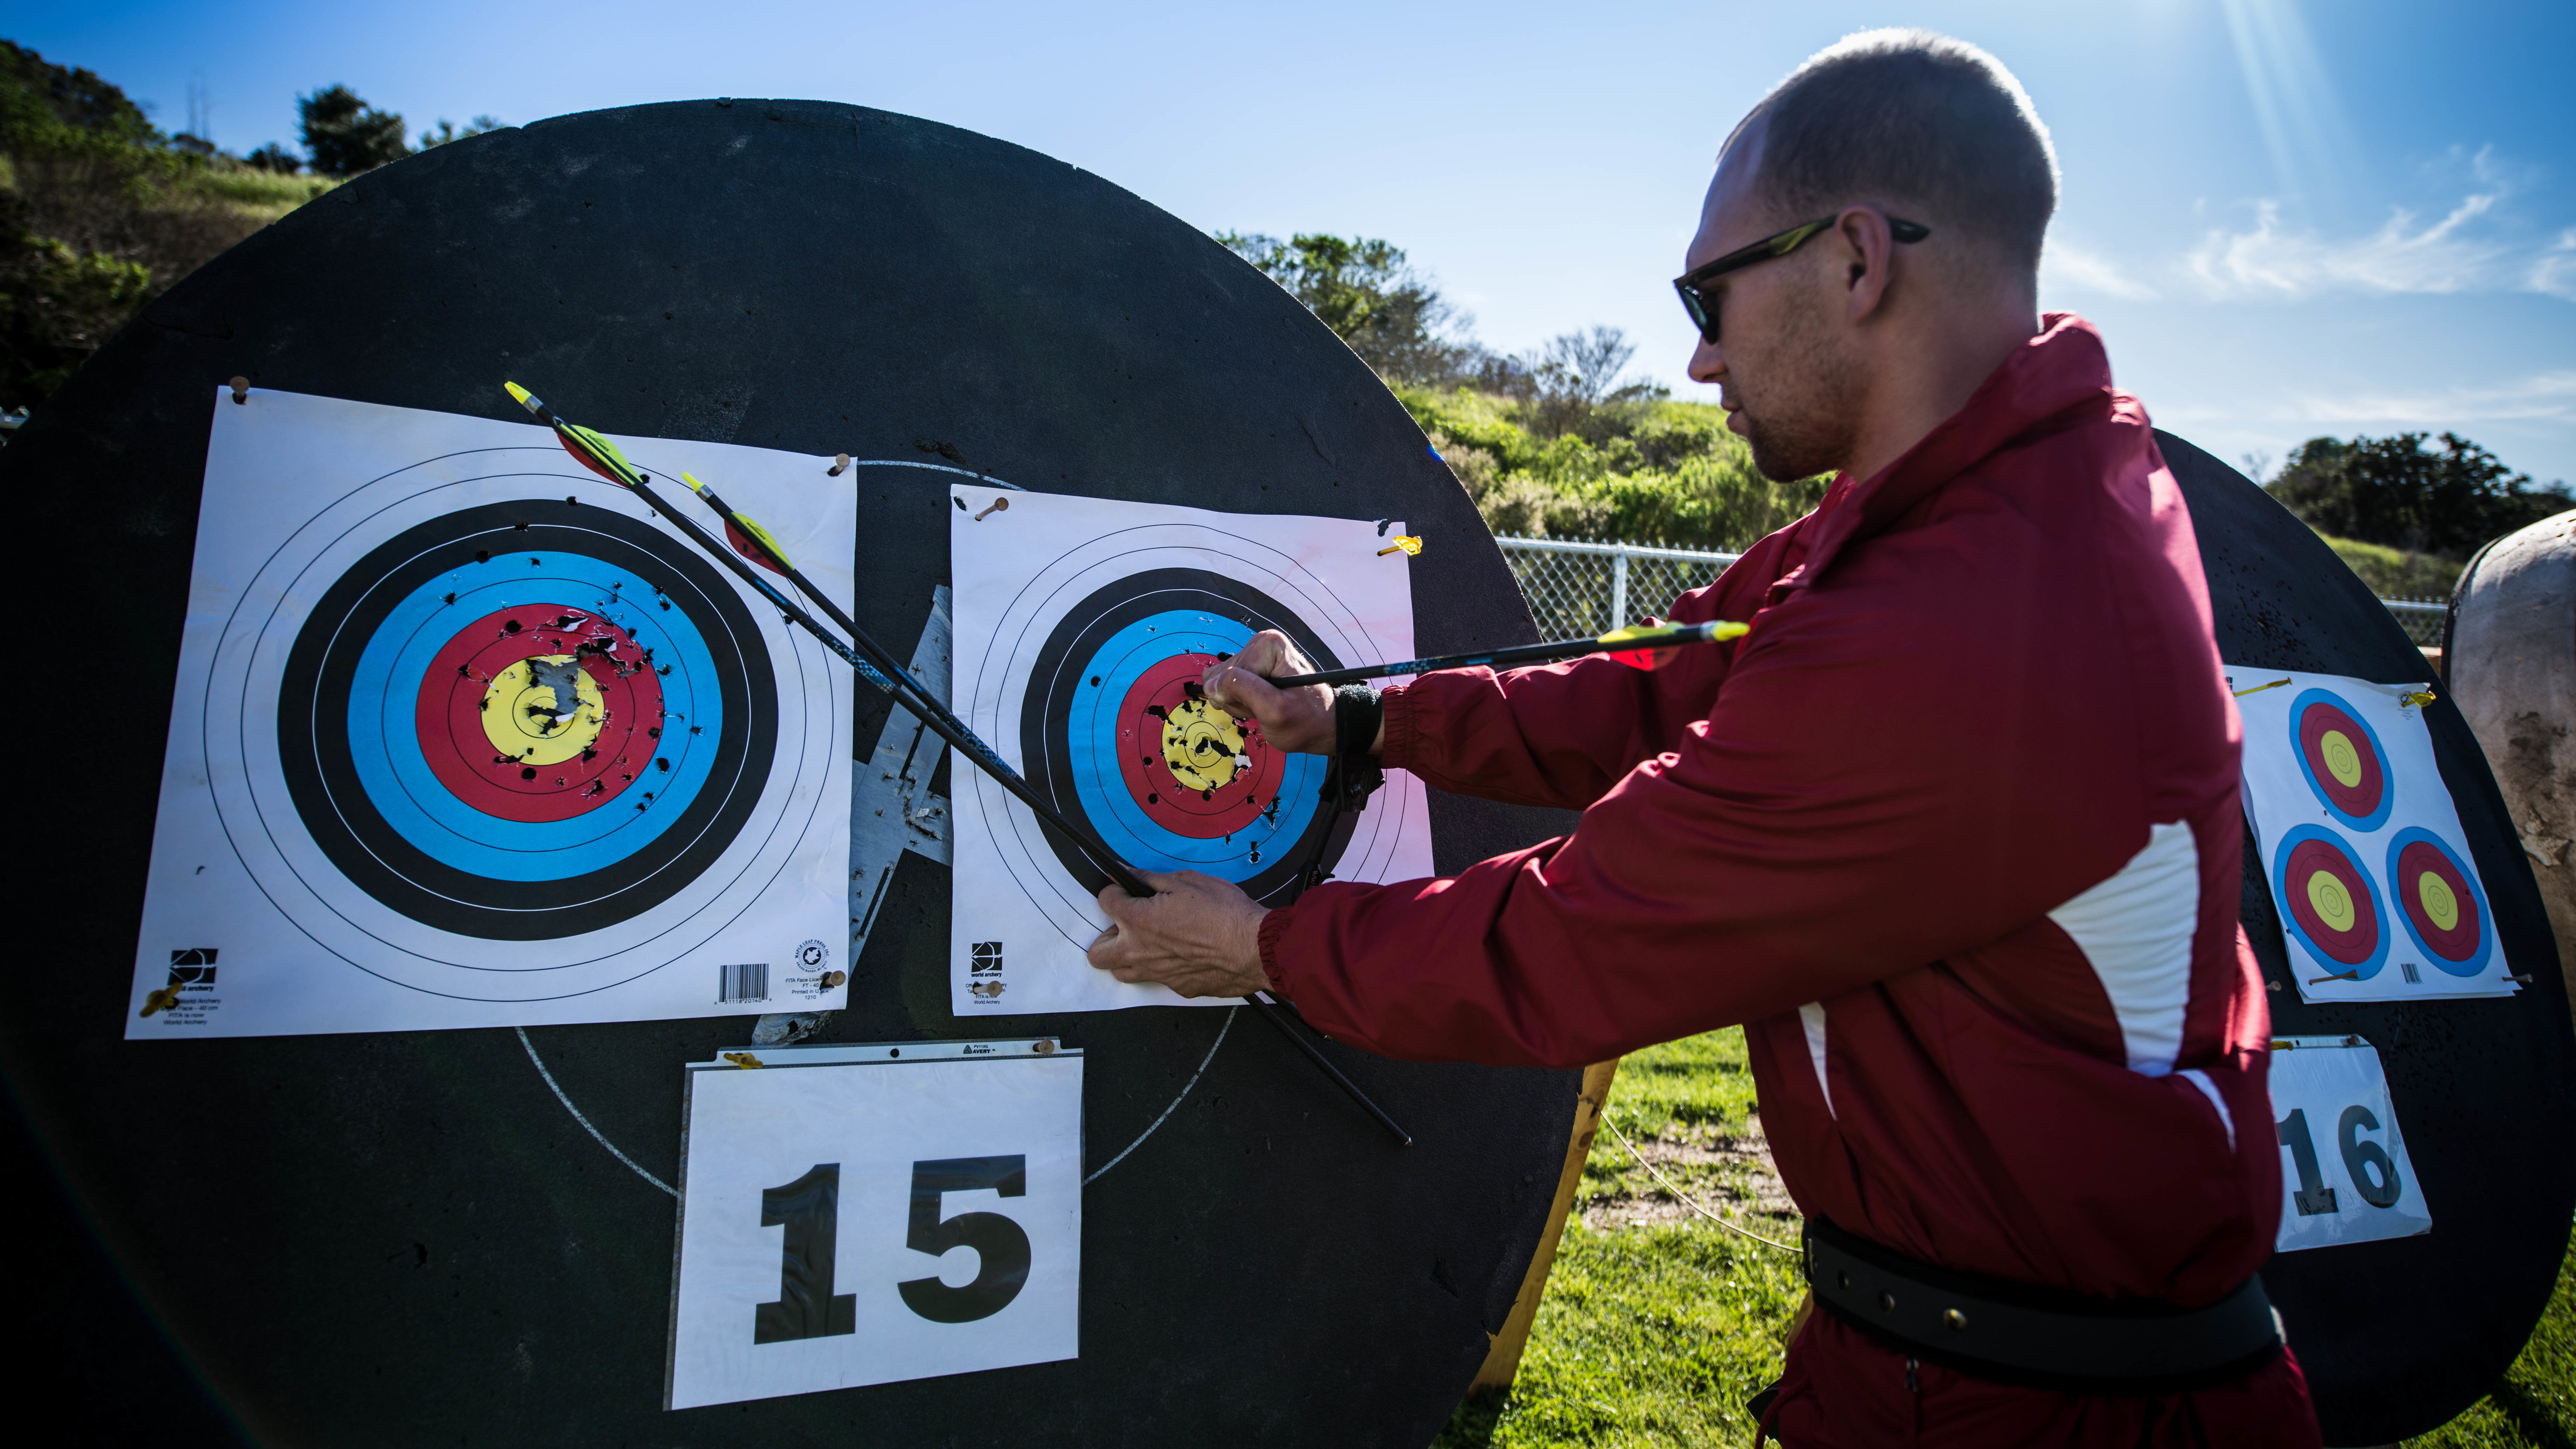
(812, 955)
(191, 969)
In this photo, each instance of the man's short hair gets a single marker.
(1910, 118)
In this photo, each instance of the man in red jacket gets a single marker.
(1953, 831)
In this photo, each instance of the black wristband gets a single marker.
(1355, 775)
(1357, 713)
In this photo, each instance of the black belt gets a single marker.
(2044, 1337)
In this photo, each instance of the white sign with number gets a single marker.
(867, 1214)
(2345, 1176)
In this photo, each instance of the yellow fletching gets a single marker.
(743, 522)
(1653, 634)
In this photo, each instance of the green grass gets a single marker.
(264, 194)
(2394, 573)
(1656, 1331)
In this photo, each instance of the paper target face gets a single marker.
(2333, 908)
(2342, 758)
(2441, 902)
(1083, 628)
(481, 727)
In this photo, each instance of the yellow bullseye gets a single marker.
(2342, 760)
(2332, 904)
(2439, 903)
(527, 718)
(1202, 745)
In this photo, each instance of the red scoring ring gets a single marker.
(2418, 859)
(2359, 801)
(449, 714)
(1150, 782)
(2352, 947)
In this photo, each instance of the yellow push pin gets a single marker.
(2421, 696)
(1411, 546)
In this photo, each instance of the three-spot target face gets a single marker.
(527, 720)
(2333, 909)
(2342, 759)
(2438, 897)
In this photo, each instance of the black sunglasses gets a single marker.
(1703, 308)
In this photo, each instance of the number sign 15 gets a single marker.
(823, 1208)
(2345, 1177)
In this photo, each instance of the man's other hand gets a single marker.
(1299, 721)
(1196, 934)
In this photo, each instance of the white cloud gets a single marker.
(2075, 268)
(2554, 271)
(2441, 257)
(2545, 396)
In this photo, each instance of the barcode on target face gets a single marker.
(742, 983)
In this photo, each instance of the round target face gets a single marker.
(2438, 897)
(2333, 908)
(1093, 674)
(1170, 781)
(510, 747)
(501, 742)
(2341, 758)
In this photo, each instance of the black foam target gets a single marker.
(2397, 1336)
(432, 1247)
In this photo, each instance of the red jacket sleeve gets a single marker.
(1522, 737)
(1871, 791)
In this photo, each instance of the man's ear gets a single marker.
(1863, 250)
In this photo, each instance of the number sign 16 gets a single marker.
(2345, 1177)
(824, 1207)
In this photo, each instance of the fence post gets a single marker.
(1618, 589)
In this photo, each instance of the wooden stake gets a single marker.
(1503, 1360)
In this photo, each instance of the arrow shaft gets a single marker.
(1512, 657)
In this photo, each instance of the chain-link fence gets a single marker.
(1576, 589)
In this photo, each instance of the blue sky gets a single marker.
(2288, 218)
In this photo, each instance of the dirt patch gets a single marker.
(1727, 1173)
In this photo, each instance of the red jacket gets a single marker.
(1954, 832)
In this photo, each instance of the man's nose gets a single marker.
(1708, 362)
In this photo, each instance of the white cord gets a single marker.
(1675, 1191)
(584, 1121)
(1226, 1026)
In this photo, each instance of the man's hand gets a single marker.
(1196, 934)
(1299, 721)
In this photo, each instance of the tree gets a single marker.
(274, 157)
(1363, 289)
(1578, 376)
(344, 135)
(447, 131)
(2395, 492)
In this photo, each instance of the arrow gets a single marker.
(747, 544)
(1633, 645)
